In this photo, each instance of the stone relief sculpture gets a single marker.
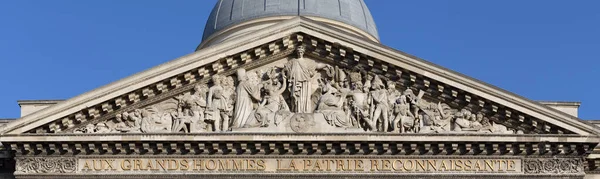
(246, 94)
(300, 95)
(380, 105)
(330, 105)
(302, 82)
(554, 165)
(127, 122)
(404, 119)
(273, 106)
(359, 103)
(192, 110)
(301, 122)
(46, 165)
(157, 121)
(217, 105)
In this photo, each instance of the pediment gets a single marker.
(323, 92)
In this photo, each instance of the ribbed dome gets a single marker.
(228, 13)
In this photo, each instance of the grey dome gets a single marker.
(227, 13)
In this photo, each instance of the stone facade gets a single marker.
(299, 100)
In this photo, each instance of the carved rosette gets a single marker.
(553, 166)
(37, 165)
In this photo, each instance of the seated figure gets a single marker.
(273, 106)
(463, 121)
(330, 105)
(153, 121)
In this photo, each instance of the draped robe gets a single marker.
(243, 103)
(300, 79)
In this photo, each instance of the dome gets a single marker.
(230, 18)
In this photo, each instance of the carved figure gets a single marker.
(491, 127)
(301, 76)
(501, 129)
(360, 103)
(182, 119)
(380, 105)
(102, 128)
(217, 105)
(90, 128)
(416, 106)
(246, 93)
(197, 105)
(476, 124)
(393, 98)
(443, 116)
(464, 121)
(368, 82)
(136, 119)
(127, 122)
(330, 105)
(404, 120)
(191, 111)
(482, 123)
(273, 106)
(154, 121)
(439, 117)
(229, 93)
(393, 95)
(121, 123)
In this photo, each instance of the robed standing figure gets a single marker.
(300, 75)
(246, 94)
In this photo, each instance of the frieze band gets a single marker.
(327, 165)
(48, 165)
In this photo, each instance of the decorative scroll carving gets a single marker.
(36, 165)
(302, 95)
(554, 165)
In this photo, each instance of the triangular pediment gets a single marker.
(442, 101)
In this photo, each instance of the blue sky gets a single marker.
(539, 49)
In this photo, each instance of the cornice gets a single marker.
(296, 175)
(356, 137)
(39, 101)
(561, 103)
(311, 147)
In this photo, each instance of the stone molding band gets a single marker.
(295, 176)
(307, 147)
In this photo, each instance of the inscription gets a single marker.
(197, 165)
